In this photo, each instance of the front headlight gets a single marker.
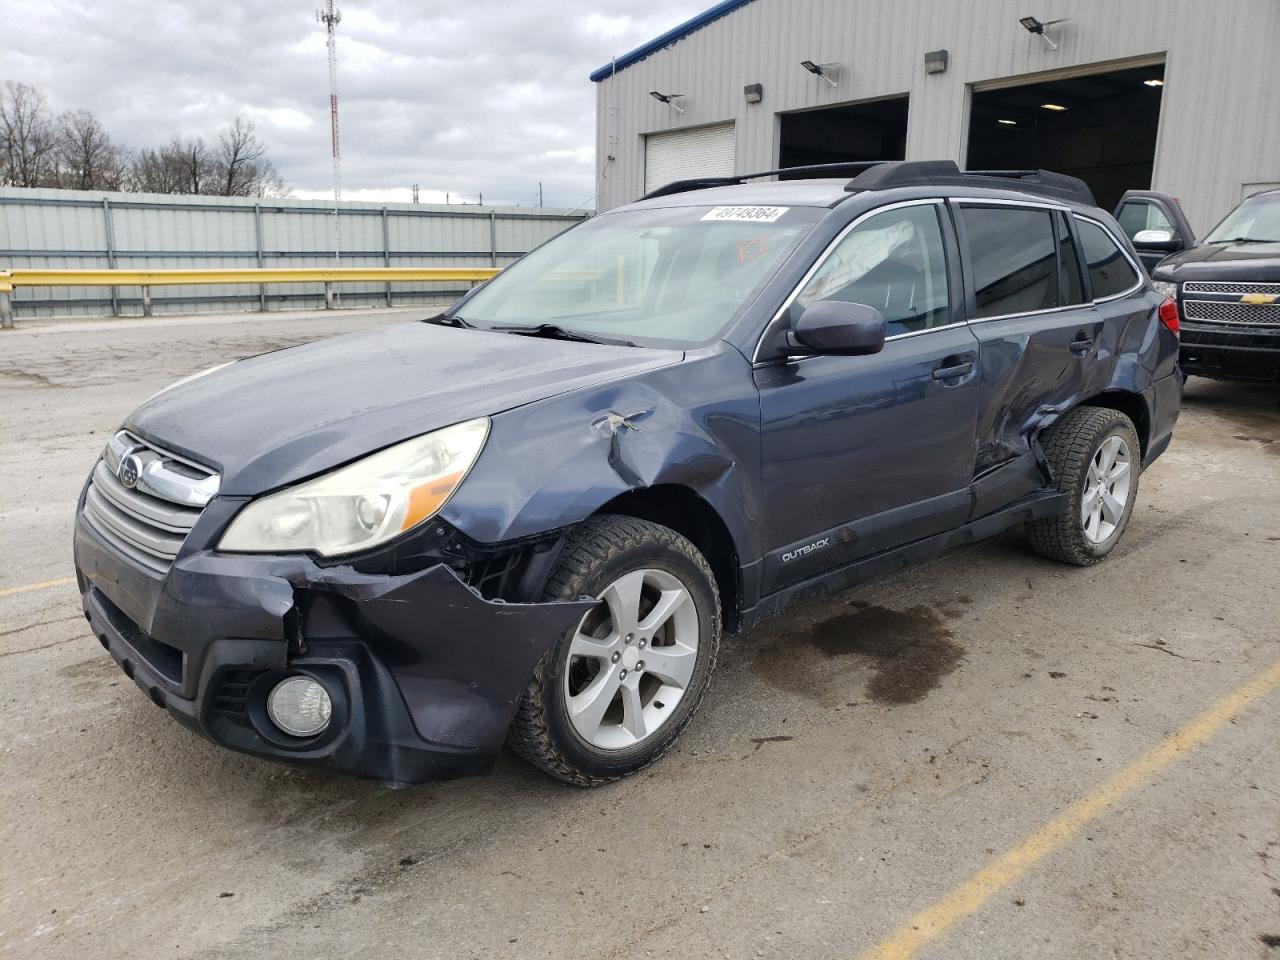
(1165, 288)
(364, 503)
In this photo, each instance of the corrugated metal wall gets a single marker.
(70, 228)
(1219, 128)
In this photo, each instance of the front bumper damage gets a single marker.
(424, 672)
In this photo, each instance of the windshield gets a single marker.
(670, 277)
(1256, 220)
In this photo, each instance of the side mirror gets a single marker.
(833, 326)
(1157, 240)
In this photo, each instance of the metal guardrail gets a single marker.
(146, 279)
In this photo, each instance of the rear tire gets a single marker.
(1095, 457)
(615, 691)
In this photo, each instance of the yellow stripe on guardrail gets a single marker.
(155, 278)
(10, 279)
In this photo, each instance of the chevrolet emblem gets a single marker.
(1259, 299)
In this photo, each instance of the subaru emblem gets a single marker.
(130, 470)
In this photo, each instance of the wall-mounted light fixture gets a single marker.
(935, 61)
(1038, 28)
(753, 92)
(823, 70)
(669, 99)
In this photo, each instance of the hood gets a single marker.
(1256, 262)
(281, 417)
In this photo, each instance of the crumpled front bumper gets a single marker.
(424, 672)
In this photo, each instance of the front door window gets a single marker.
(893, 261)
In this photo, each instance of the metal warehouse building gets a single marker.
(1181, 96)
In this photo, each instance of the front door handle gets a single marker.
(1081, 346)
(954, 371)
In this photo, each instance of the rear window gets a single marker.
(1015, 264)
(1110, 272)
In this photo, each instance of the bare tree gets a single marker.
(192, 164)
(150, 173)
(180, 166)
(154, 171)
(271, 184)
(77, 152)
(27, 137)
(240, 160)
(88, 159)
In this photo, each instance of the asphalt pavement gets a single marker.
(988, 756)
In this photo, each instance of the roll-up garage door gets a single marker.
(683, 154)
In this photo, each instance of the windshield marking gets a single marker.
(746, 214)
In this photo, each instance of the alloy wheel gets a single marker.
(1106, 489)
(631, 660)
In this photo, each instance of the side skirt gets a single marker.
(1035, 507)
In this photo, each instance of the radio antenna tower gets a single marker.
(331, 17)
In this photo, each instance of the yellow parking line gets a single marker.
(42, 585)
(932, 922)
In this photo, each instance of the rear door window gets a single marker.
(1072, 282)
(1110, 271)
(1013, 258)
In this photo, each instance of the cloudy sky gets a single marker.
(462, 96)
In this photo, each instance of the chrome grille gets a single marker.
(1230, 289)
(1223, 311)
(149, 520)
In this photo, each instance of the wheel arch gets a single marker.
(1132, 405)
(683, 510)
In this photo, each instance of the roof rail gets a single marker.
(920, 173)
(701, 183)
(886, 174)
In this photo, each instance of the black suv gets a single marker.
(528, 519)
(1227, 286)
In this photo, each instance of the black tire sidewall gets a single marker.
(591, 760)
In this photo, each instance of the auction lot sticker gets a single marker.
(746, 214)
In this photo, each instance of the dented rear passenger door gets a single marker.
(1038, 333)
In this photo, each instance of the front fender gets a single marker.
(554, 463)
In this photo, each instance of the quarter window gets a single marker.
(1110, 272)
(894, 262)
(1015, 264)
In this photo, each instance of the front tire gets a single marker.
(1096, 458)
(615, 691)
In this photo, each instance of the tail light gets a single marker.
(1168, 313)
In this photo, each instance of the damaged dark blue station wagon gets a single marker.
(528, 520)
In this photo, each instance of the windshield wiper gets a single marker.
(552, 331)
(1248, 240)
(448, 320)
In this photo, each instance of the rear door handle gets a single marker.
(1080, 347)
(952, 372)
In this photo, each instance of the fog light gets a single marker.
(299, 706)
